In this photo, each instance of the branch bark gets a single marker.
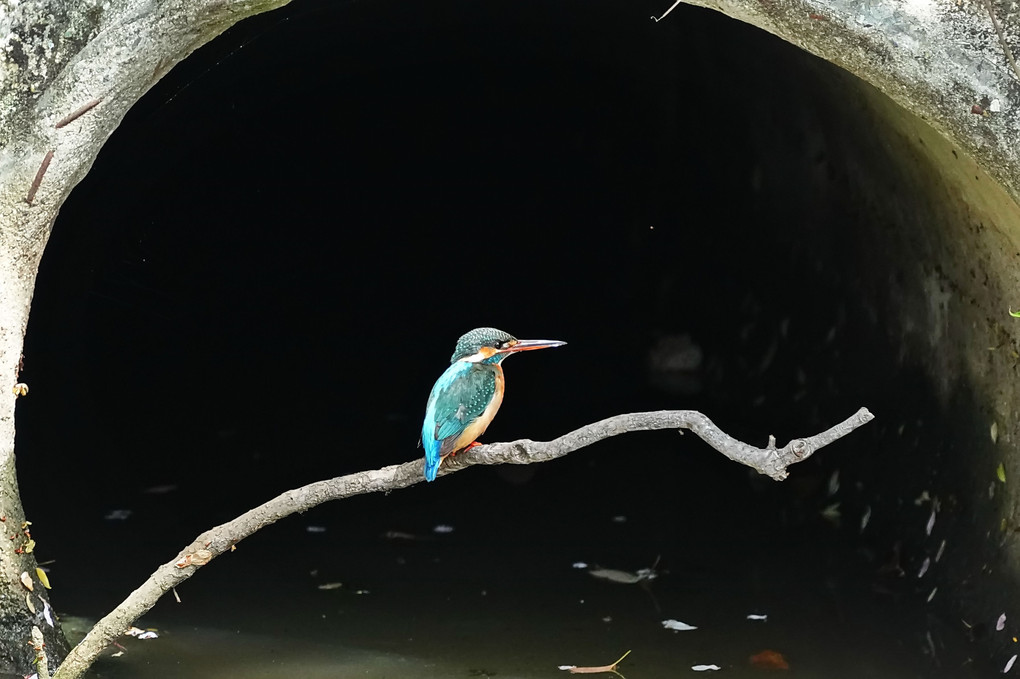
(770, 461)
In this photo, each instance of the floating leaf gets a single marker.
(770, 660)
(1014, 314)
(31, 606)
(1009, 664)
(26, 580)
(614, 575)
(677, 626)
(43, 578)
(705, 668)
(995, 432)
(1000, 623)
(331, 585)
(29, 546)
(1000, 472)
(755, 616)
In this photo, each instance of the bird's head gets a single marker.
(489, 345)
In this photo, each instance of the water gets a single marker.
(500, 596)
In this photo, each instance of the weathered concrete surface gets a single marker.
(58, 58)
(935, 58)
(927, 246)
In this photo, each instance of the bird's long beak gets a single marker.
(528, 345)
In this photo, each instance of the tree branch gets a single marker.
(770, 461)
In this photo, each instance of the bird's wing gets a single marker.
(459, 397)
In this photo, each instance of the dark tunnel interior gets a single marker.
(272, 258)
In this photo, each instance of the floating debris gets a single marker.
(647, 573)
(326, 586)
(924, 567)
(1000, 624)
(677, 626)
(922, 498)
(866, 517)
(831, 513)
(442, 529)
(942, 548)
(625, 577)
(141, 633)
(931, 519)
(705, 668)
(574, 669)
(1009, 664)
(932, 595)
(47, 613)
(614, 575)
(755, 616)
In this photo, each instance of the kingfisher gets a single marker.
(467, 395)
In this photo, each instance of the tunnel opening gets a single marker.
(267, 267)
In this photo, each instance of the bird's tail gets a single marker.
(432, 467)
(432, 458)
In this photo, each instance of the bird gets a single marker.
(467, 395)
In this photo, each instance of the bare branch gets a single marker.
(770, 460)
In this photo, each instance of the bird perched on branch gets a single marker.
(467, 395)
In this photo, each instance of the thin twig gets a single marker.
(601, 668)
(666, 13)
(770, 460)
(38, 177)
(77, 113)
(1002, 38)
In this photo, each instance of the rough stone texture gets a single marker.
(936, 59)
(55, 58)
(926, 245)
